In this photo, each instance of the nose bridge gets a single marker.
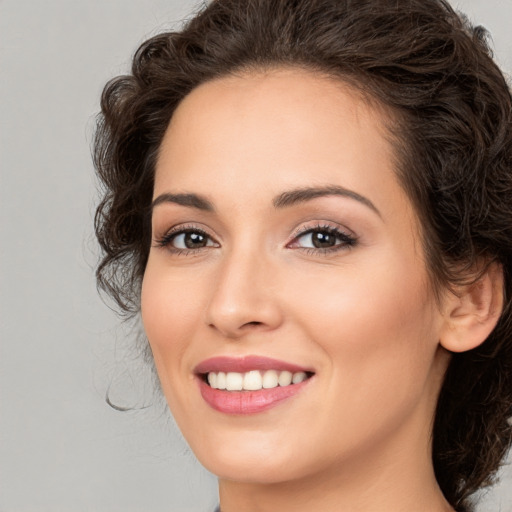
(243, 296)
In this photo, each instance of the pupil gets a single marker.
(194, 240)
(322, 239)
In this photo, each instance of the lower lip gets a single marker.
(248, 402)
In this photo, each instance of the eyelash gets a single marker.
(166, 240)
(346, 239)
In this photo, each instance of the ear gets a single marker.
(472, 311)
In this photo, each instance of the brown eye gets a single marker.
(323, 238)
(191, 240)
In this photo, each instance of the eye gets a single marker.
(191, 240)
(186, 239)
(323, 238)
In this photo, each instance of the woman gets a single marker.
(310, 204)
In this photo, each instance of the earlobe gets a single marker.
(473, 311)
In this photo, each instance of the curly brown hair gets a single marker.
(452, 132)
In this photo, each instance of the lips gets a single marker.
(249, 384)
(246, 364)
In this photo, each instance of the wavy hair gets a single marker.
(451, 129)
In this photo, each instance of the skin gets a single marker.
(364, 317)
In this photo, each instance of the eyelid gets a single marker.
(322, 225)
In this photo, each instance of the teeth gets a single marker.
(254, 380)
(234, 381)
(270, 379)
(285, 378)
(221, 380)
(212, 379)
(298, 377)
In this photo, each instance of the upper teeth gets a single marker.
(254, 380)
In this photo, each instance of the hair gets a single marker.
(451, 128)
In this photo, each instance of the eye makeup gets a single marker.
(186, 239)
(320, 238)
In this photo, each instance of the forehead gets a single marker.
(278, 117)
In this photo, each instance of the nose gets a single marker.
(245, 296)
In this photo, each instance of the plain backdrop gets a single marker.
(62, 448)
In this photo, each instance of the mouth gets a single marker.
(249, 385)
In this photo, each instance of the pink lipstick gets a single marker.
(246, 364)
(250, 384)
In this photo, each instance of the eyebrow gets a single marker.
(283, 200)
(190, 200)
(302, 195)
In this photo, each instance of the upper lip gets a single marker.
(246, 363)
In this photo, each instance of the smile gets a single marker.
(249, 385)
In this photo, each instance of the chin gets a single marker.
(247, 461)
(245, 471)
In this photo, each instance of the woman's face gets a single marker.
(284, 247)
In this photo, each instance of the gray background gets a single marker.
(61, 447)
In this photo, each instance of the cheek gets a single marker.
(375, 322)
(169, 312)
(169, 309)
(377, 330)
(168, 305)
